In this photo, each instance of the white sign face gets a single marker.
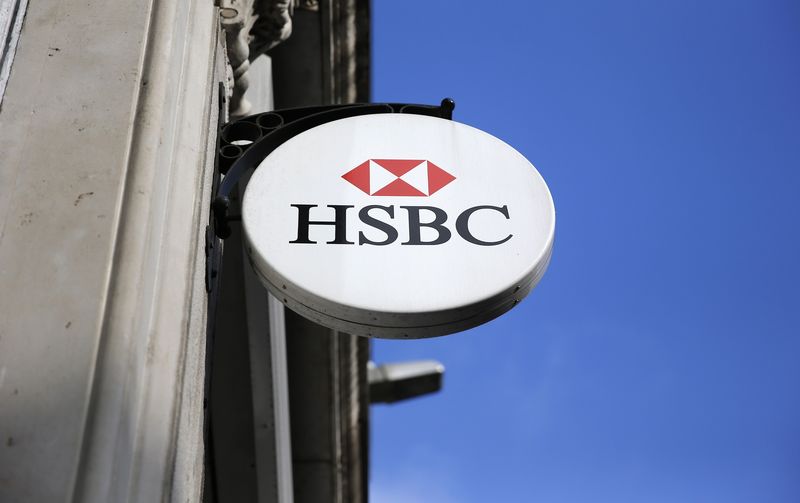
(398, 225)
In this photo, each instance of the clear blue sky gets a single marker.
(659, 359)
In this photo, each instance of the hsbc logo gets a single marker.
(397, 178)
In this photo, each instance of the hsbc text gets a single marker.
(381, 218)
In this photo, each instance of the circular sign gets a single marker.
(398, 225)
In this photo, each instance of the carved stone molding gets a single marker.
(251, 27)
(272, 24)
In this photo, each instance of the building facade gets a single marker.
(132, 366)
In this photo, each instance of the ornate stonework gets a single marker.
(252, 27)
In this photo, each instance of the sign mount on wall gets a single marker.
(386, 224)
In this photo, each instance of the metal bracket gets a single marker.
(245, 142)
(213, 247)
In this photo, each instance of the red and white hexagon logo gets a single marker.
(398, 177)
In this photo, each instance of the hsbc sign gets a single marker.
(398, 226)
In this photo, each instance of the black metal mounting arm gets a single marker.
(245, 142)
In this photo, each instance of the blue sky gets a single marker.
(658, 360)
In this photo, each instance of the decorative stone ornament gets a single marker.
(397, 225)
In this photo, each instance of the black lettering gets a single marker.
(391, 232)
(304, 222)
(414, 225)
(462, 225)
